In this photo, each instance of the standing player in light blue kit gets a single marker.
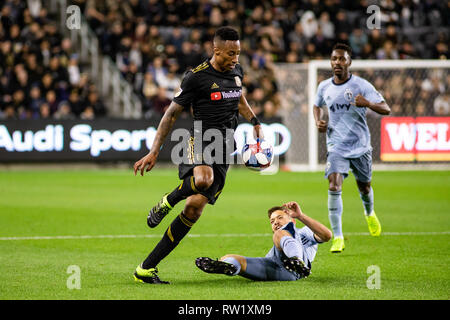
(347, 98)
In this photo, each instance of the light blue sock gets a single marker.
(335, 212)
(234, 262)
(367, 200)
(291, 247)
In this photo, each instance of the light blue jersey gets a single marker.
(305, 236)
(347, 133)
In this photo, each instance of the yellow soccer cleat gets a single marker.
(338, 245)
(158, 212)
(374, 224)
(148, 276)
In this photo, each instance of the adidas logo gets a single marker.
(214, 86)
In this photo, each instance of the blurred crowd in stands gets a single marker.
(40, 75)
(153, 42)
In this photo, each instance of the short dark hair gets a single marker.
(226, 33)
(343, 46)
(273, 209)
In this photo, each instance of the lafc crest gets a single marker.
(238, 81)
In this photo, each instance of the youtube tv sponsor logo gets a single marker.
(415, 139)
(225, 95)
(216, 95)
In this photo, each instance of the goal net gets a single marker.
(416, 131)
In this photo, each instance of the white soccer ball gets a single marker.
(257, 156)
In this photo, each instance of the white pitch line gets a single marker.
(425, 233)
(225, 235)
(125, 236)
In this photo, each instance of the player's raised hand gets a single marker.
(294, 209)
(146, 163)
(361, 102)
(322, 125)
(258, 132)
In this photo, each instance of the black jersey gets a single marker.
(214, 96)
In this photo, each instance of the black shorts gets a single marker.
(219, 171)
(220, 174)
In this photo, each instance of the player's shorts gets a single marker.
(361, 167)
(267, 269)
(219, 171)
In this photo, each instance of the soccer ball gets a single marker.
(257, 156)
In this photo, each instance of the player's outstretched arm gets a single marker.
(165, 125)
(246, 111)
(321, 233)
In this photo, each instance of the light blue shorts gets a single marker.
(361, 167)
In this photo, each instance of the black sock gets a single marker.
(179, 227)
(185, 189)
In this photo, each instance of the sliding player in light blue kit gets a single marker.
(347, 98)
(290, 258)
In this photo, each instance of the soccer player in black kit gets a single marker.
(214, 91)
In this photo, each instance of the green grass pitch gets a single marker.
(412, 254)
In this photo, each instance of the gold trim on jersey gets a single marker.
(191, 156)
(191, 150)
(200, 67)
